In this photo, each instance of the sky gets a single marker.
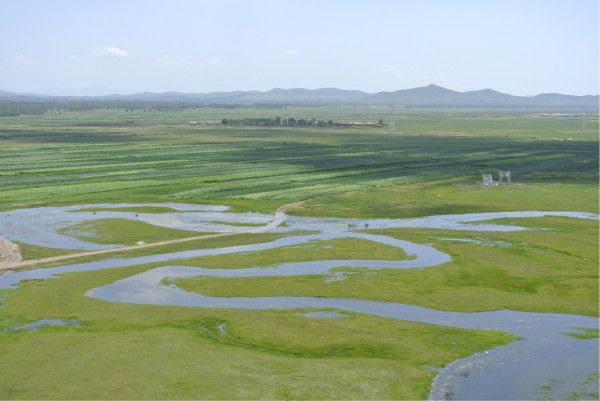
(522, 47)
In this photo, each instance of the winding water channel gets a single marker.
(542, 355)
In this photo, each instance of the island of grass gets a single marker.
(584, 333)
(124, 232)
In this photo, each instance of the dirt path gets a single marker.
(9, 253)
(12, 256)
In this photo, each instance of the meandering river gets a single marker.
(542, 355)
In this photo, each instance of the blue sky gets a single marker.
(97, 47)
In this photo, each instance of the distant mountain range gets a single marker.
(428, 96)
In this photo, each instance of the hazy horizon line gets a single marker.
(41, 92)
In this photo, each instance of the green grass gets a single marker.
(137, 352)
(342, 248)
(52, 160)
(29, 251)
(203, 243)
(430, 198)
(123, 232)
(431, 165)
(409, 121)
(585, 333)
(537, 271)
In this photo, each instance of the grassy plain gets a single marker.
(438, 122)
(29, 251)
(123, 351)
(73, 158)
(553, 270)
(123, 232)
(336, 249)
(431, 165)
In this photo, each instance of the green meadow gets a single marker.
(123, 232)
(126, 351)
(431, 164)
(72, 158)
(551, 268)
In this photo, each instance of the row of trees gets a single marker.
(300, 122)
(13, 109)
(10, 108)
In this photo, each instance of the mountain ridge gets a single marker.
(426, 96)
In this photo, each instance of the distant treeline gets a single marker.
(300, 122)
(17, 108)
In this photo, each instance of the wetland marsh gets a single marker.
(394, 234)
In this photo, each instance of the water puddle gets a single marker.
(34, 326)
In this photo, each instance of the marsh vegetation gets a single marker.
(430, 166)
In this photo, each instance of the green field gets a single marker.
(541, 271)
(71, 158)
(431, 165)
(123, 232)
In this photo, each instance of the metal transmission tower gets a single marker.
(504, 177)
(392, 128)
(487, 180)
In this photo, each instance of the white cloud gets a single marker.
(112, 51)
(292, 52)
(20, 59)
(187, 65)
